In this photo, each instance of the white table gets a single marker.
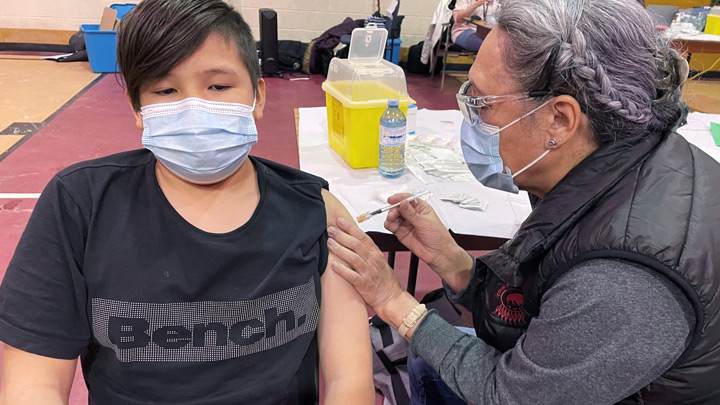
(696, 43)
(357, 188)
(697, 132)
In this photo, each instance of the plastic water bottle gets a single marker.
(392, 141)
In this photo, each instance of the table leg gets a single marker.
(412, 274)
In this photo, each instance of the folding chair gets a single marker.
(446, 48)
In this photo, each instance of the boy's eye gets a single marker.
(165, 92)
(219, 87)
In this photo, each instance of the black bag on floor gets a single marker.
(77, 43)
(413, 63)
(390, 350)
(291, 55)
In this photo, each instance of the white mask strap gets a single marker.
(531, 163)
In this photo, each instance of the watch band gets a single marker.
(411, 319)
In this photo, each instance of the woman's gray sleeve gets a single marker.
(605, 330)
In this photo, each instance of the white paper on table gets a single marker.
(313, 127)
(697, 131)
(443, 122)
(361, 198)
(504, 214)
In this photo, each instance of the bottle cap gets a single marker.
(393, 102)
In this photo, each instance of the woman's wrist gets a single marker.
(397, 309)
(458, 270)
(457, 260)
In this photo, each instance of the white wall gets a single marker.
(305, 20)
(301, 20)
(66, 15)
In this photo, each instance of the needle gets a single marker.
(370, 214)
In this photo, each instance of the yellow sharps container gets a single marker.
(356, 94)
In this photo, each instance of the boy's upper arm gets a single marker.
(344, 338)
(43, 298)
(32, 379)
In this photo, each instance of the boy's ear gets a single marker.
(259, 100)
(138, 116)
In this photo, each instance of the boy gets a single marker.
(187, 273)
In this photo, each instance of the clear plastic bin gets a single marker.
(356, 94)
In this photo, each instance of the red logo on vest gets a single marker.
(511, 304)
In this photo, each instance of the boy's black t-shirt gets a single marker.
(160, 311)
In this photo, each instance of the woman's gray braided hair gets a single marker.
(605, 53)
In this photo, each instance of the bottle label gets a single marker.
(392, 136)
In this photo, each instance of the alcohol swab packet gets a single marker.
(475, 206)
(452, 197)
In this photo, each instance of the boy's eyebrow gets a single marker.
(218, 71)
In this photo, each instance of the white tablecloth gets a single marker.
(358, 189)
(697, 131)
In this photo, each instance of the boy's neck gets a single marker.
(217, 208)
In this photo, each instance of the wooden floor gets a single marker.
(33, 89)
(703, 96)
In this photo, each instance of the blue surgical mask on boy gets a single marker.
(200, 141)
(481, 148)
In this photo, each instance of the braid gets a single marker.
(602, 53)
(597, 85)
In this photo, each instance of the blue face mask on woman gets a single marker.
(481, 148)
(201, 141)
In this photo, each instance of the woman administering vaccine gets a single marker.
(610, 290)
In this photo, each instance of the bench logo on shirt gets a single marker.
(205, 330)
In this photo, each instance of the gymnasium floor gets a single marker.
(56, 114)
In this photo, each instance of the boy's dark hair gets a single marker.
(159, 34)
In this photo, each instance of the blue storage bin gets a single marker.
(395, 51)
(102, 45)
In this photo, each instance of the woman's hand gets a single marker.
(417, 226)
(365, 266)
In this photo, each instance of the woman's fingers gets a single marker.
(352, 229)
(393, 214)
(347, 273)
(393, 226)
(347, 248)
(396, 198)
